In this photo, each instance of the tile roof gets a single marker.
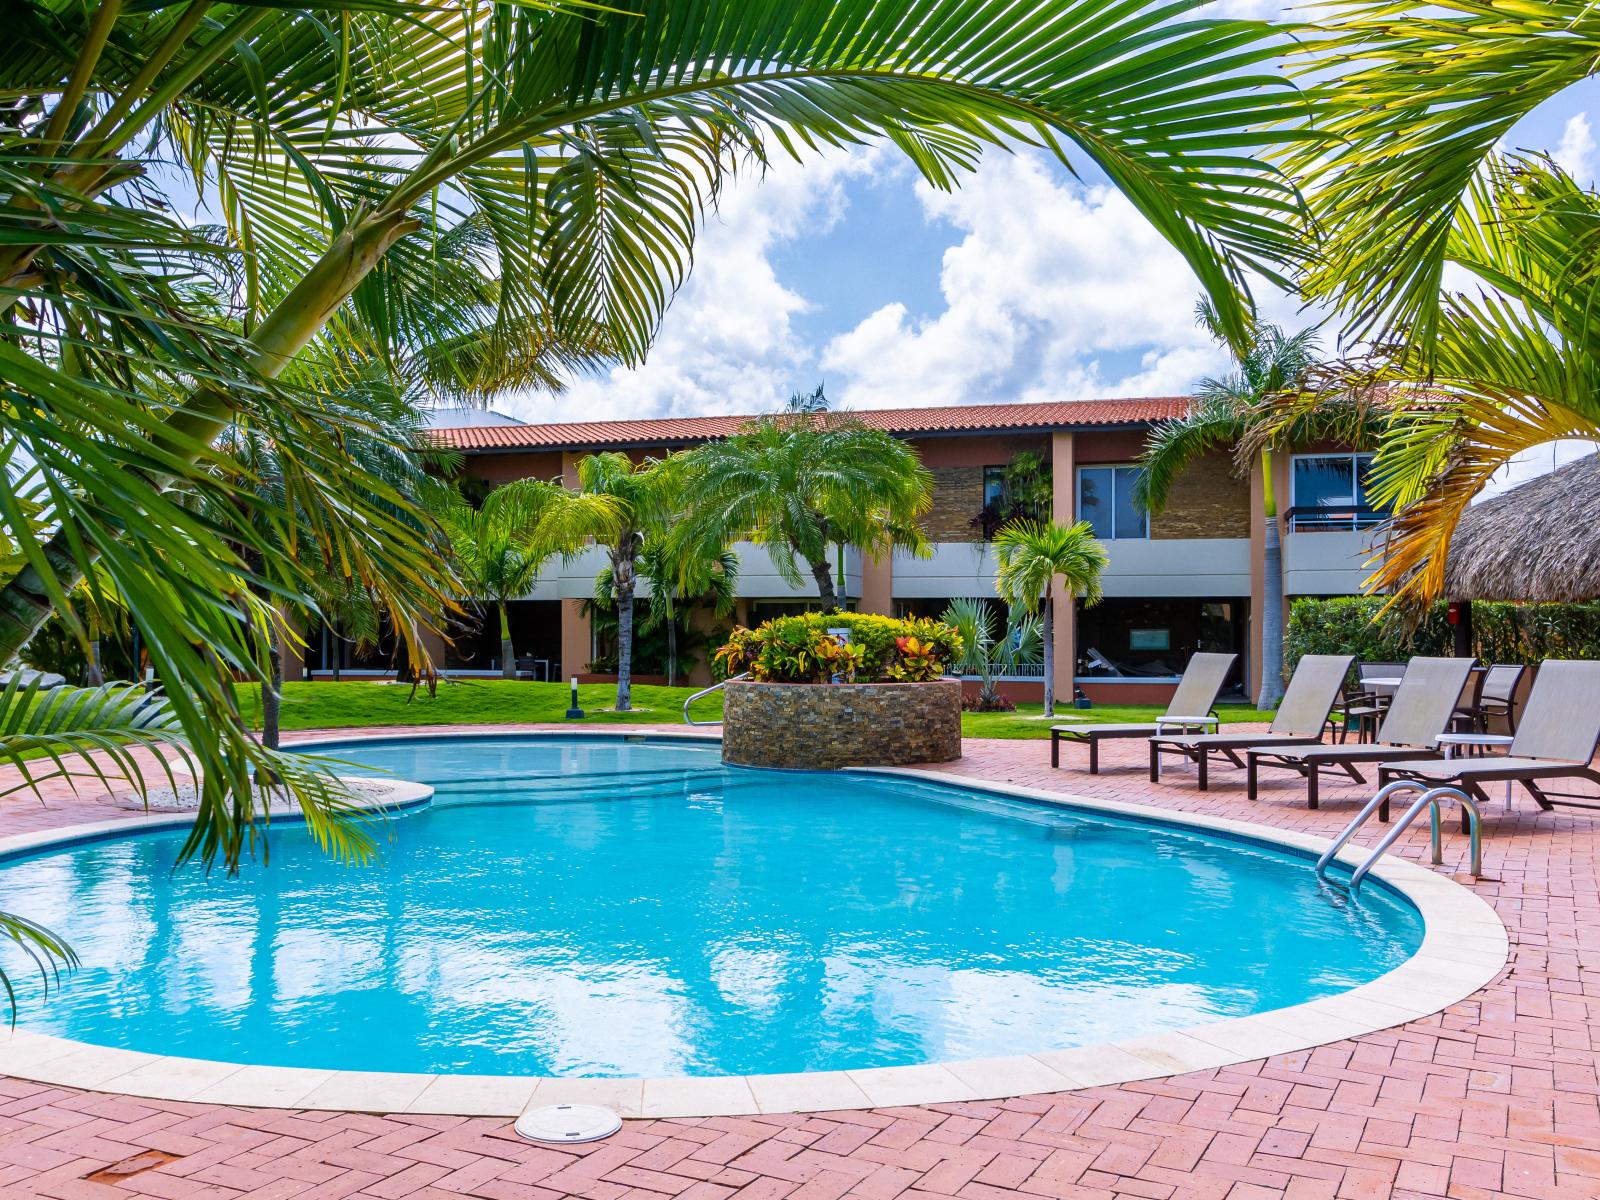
(974, 418)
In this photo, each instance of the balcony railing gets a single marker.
(1317, 518)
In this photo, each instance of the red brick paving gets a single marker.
(1497, 1096)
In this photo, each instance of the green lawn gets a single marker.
(353, 704)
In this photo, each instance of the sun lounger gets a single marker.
(1418, 714)
(1192, 708)
(1556, 738)
(1302, 718)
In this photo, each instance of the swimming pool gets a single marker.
(609, 907)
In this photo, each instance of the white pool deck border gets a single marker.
(1464, 947)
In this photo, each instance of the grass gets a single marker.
(358, 703)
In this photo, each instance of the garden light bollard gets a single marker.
(574, 713)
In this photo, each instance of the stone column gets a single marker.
(877, 585)
(1063, 511)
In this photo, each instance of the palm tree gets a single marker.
(678, 575)
(501, 547)
(1031, 556)
(1241, 413)
(642, 493)
(1417, 103)
(800, 485)
(583, 138)
(1512, 368)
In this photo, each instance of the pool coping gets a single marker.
(1464, 947)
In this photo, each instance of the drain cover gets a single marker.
(568, 1123)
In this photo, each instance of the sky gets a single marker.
(1024, 284)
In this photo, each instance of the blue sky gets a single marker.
(1023, 285)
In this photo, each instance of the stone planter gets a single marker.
(826, 726)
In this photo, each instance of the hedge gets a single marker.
(1502, 633)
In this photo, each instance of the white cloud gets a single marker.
(1055, 291)
(1575, 148)
(727, 344)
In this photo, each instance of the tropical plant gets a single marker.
(1513, 366)
(1414, 103)
(801, 485)
(1240, 414)
(577, 141)
(807, 402)
(681, 578)
(501, 546)
(1032, 555)
(584, 138)
(1025, 494)
(643, 493)
(807, 648)
(987, 655)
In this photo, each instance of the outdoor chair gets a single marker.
(1301, 719)
(1499, 696)
(1419, 713)
(1193, 707)
(1467, 717)
(1555, 739)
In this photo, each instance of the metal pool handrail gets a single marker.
(1430, 800)
(715, 687)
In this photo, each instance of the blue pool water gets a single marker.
(598, 908)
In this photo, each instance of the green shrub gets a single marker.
(1502, 633)
(799, 649)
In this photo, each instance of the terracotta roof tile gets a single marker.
(975, 418)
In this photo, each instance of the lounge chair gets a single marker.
(1556, 738)
(1193, 707)
(1417, 715)
(1302, 718)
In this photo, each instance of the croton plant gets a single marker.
(803, 649)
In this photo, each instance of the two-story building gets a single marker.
(1189, 578)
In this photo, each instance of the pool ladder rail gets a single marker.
(715, 687)
(1430, 799)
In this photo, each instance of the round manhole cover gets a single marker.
(568, 1123)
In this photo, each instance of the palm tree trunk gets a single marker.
(822, 572)
(1049, 655)
(1271, 691)
(624, 645)
(272, 702)
(93, 675)
(335, 651)
(508, 653)
(672, 646)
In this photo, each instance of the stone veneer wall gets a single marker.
(957, 500)
(827, 726)
(1208, 501)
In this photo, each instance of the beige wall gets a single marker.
(877, 585)
(576, 640)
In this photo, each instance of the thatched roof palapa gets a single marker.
(1539, 542)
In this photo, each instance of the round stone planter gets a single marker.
(814, 727)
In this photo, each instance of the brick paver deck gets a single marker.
(1497, 1096)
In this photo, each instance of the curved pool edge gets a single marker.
(1465, 946)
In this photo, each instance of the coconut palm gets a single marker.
(1417, 102)
(1030, 557)
(642, 493)
(1512, 368)
(1240, 413)
(501, 546)
(801, 484)
(586, 138)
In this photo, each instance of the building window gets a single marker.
(1105, 500)
(1329, 492)
(994, 487)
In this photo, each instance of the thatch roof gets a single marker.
(1538, 542)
